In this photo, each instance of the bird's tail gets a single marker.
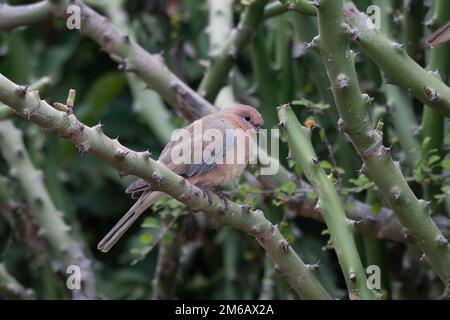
(144, 202)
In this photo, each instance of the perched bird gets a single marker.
(234, 123)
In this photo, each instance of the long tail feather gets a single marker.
(144, 202)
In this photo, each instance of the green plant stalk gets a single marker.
(267, 283)
(328, 204)
(305, 7)
(11, 289)
(146, 103)
(48, 218)
(231, 256)
(306, 29)
(133, 58)
(221, 64)
(388, 228)
(17, 16)
(397, 66)
(375, 253)
(399, 104)
(220, 25)
(413, 30)
(432, 125)
(404, 122)
(378, 163)
(283, 60)
(264, 77)
(91, 139)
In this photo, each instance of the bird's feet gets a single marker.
(208, 191)
(224, 197)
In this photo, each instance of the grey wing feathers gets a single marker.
(210, 161)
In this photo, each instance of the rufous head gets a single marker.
(243, 117)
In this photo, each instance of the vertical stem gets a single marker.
(47, 216)
(433, 123)
(378, 163)
(329, 205)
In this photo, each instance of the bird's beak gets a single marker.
(258, 128)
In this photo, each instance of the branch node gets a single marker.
(395, 193)
(442, 241)
(21, 91)
(342, 81)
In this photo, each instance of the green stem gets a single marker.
(328, 204)
(221, 64)
(147, 103)
(305, 7)
(91, 139)
(133, 58)
(413, 16)
(220, 25)
(433, 123)
(48, 218)
(378, 163)
(264, 77)
(11, 289)
(393, 60)
(17, 16)
(399, 104)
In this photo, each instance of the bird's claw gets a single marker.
(207, 191)
(224, 197)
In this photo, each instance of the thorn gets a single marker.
(20, 153)
(399, 46)
(126, 38)
(352, 33)
(425, 204)
(282, 123)
(395, 192)
(38, 201)
(284, 246)
(368, 99)
(106, 37)
(342, 81)
(284, 106)
(315, 161)
(289, 156)
(121, 154)
(157, 177)
(98, 127)
(316, 3)
(245, 208)
(258, 212)
(83, 147)
(21, 91)
(352, 276)
(314, 267)
(340, 125)
(146, 154)
(442, 240)
(362, 170)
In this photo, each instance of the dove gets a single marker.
(206, 162)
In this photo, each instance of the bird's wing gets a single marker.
(209, 160)
(206, 152)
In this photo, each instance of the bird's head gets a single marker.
(244, 117)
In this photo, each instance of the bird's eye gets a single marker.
(247, 118)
